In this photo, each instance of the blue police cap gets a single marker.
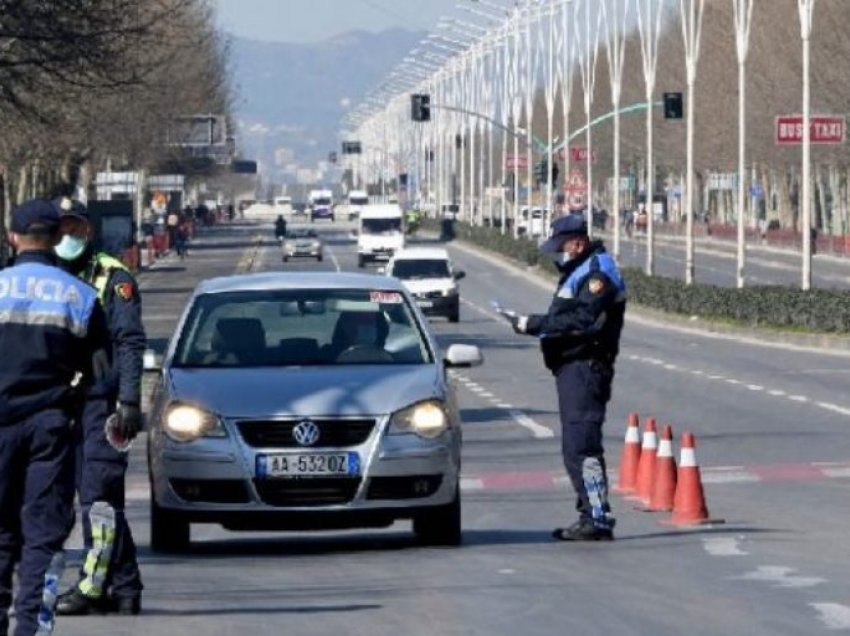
(73, 208)
(36, 216)
(562, 229)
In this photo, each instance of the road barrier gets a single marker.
(627, 483)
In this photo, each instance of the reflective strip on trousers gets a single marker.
(596, 486)
(96, 567)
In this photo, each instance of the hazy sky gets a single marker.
(311, 20)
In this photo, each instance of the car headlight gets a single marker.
(451, 291)
(187, 423)
(316, 245)
(427, 419)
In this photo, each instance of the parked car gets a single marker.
(302, 242)
(429, 275)
(304, 401)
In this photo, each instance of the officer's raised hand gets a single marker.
(129, 420)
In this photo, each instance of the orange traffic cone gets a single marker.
(646, 464)
(664, 485)
(630, 458)
(689, 507)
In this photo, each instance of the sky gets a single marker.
(314, 20)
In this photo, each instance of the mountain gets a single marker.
(291, 97)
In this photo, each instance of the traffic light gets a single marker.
(420, 107)
(541, 169)
(402, 179)
(673, 106)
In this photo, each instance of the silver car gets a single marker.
(305, 401)
(302, 242)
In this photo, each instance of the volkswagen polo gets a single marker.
(304, 401)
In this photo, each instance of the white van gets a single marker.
(429, 275)
(380, 232)
(357, 199)
(283, 205)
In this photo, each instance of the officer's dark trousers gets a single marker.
(100, 472)
(36, 509)
(584, 388)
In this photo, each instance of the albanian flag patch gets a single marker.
(125, 290)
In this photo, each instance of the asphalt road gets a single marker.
(771, 428)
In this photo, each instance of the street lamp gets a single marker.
(807, 8)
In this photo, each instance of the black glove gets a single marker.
(129, 420)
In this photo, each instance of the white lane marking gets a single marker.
(334, 259)
(802, 399)
(477, 389)
(507, 571)
(481, 310)
(540, 432)
(729, 477)
(486, 394)
(836, 472)
(834, 407)
(505, 405)
(781, 576)
(723, 546)
(833, 615)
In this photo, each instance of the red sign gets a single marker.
(513, 162)
(578, 154)
(575, 183)
(825, 129)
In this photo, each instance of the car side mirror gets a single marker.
(461, 356)
(152, 361)
(459, 275)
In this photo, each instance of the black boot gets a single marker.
(126, 605)
(584, 530)
(75, 603)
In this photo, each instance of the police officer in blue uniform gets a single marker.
(580, 339)
(109, 579)
(53, 338)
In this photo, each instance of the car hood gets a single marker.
(306, 391)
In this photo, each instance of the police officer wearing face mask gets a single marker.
(109, 579)
(579, 337)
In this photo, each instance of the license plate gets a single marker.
(308, 465)
(425, 304)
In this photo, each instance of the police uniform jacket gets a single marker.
(51, 325)
(586, 315)
(119, 296)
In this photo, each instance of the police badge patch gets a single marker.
(124, 290)
(596, 286)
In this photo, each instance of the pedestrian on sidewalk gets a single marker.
(109, 580)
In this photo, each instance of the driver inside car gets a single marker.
(359, 329)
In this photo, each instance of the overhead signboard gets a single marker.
(824, 129)
(513, 162)
(723, 181)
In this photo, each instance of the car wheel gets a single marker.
(440, 525)
(454, 316)
(361, 262)
(169, 532)
(285, 259)
(319, 258)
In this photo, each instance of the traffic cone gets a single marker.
(646, 465)
(664, 484)
(689, 507)
(630, 457)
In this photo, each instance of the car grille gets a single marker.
(430, 294)
(211, 490)
(332, 433)
(410, 487)
(313, 491)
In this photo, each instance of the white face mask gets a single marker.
(70, 248)
(561, 258)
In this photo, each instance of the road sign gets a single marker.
(575, 182)
(825, 129)
(578, 154)
(513, 162)
(722, 180)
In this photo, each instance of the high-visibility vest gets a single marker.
(101, 271)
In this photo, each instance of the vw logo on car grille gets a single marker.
(306, 433)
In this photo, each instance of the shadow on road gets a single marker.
(250, 609)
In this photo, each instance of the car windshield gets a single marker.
(412, 269)
(381, 226)
(301, 234)
(359, 201)
(316, 327)
(322, 201)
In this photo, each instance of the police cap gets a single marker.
(36, 216)
(565, 227)
(74, 209)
